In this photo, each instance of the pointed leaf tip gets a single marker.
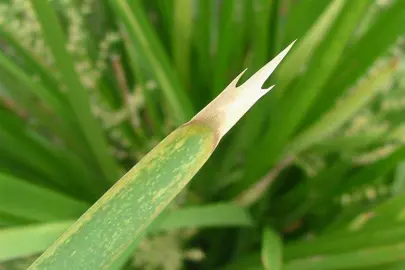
(258, 79)
(228, 107)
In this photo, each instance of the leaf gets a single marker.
(215, 215)
(32, 62)
(29, 84)
(150, 104)
(390, 234)
(202, 39)
(391, 211)
(360, 258)
(29, 240)
(343, 111)
(206, 216)
(21, 145)
(182, 26)
(251, 124)
(319, 70)
(272, 249)
(347, 251)
(231, 16)
(378, 169)
(361, 56)
(61, 167)
(31, 202)
(77, 94)
(141, 32)
(399, 182)
(318, 191)
(123, 214)
(347, 143)
(297, 24)
(307, 45)
(288, 70)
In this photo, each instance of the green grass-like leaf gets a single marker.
(77, 94)
(140, 32)
(271, 250)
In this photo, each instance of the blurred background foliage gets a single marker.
(312, 178)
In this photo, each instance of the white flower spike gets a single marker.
(228, 107)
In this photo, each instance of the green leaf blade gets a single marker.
(272, 249)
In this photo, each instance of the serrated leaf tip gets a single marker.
(228, 107)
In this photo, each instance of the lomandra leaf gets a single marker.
(114, 222)
(211, 215)
(296, 102)
(140, 32)
(362, 94)
(272, 248)
(26, 200)
(364, 258)
(23, 241)
(305, 49)
(77, 95)
(29, 240)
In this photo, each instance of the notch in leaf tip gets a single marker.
(257, 80)
(231, 104)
